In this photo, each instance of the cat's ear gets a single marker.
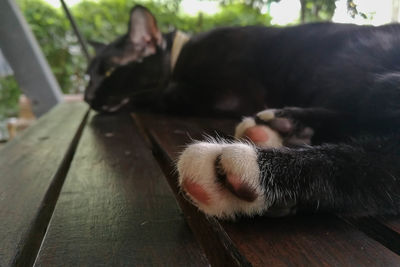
(98, 47)
(143, 31)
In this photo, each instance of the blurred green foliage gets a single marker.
(9, 94)
(311, 10)
(104, 20)
(316, 10)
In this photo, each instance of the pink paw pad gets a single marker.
(257, 134)
(196, 191)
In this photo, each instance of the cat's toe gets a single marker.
(275, 128)
(267, 115)
(260, 135)
(222, 180)
(275, 121)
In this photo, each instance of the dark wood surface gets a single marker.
(384, 230)
(391, 222)
(32, 169)
(87, 191)
(297, 241)
(116, 208)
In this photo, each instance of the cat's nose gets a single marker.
(90, 90)
(92, 101)
(89, 96)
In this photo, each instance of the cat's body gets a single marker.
(344, 81)
(295, 66)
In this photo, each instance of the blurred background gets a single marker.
(104, 20)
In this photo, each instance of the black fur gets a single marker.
(359, 178)
(351, 73)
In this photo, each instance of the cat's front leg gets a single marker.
(230, 179)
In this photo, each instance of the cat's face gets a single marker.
(130, 69)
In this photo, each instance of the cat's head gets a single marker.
(129, 70)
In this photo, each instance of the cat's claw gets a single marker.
(222, 180)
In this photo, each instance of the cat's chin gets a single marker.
(222, 180)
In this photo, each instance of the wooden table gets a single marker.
(80, 189)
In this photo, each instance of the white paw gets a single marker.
(222, 180)
(261, 135)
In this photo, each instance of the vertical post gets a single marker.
(81, 40)
(31, 70)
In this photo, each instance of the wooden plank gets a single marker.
(391, 222)
(384, 230)
(299, 241)
(307, 241)
(33, 168)
(115, 208)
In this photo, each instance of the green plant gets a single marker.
(9, 95)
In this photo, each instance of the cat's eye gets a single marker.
(110, 71)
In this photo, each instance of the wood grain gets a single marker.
(391, 222)
(296, 241)
(33, 168)
(383, 229)
(319, 240)
(116, 208)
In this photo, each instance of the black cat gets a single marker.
(336, 86)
